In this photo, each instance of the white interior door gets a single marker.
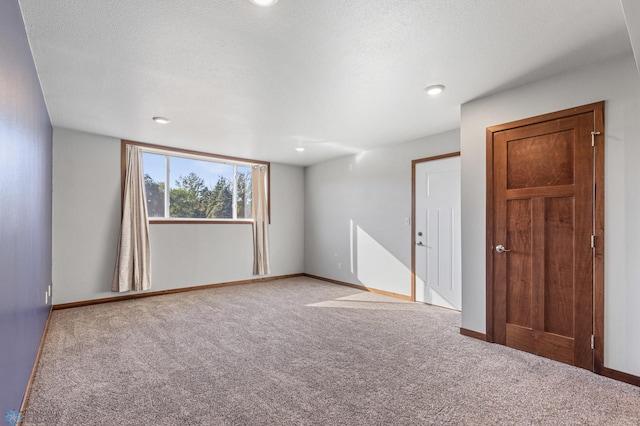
(437, 220)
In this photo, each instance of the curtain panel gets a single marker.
(133, 260)
(260, 220)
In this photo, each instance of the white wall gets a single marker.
(86, 217)
(354, 214)
(618, 83)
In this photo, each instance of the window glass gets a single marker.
(154, 183)
(198, 188)
(243, 200)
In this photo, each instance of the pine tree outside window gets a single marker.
(186, 186)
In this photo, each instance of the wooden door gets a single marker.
(437, 232)
(542, 232)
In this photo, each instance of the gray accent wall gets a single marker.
(618, 83)
(356, 211)
(25, 209)
(86, 221)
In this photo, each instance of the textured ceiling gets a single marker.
(336, 76)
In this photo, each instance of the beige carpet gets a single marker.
(301, 352)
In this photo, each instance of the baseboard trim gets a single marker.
(474, 334)
(603, 371)
(34, 369)
(171, 291)
(619, 376)
(361, 287)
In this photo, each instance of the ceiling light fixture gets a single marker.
(299, 148)
(161, 120)
(434, 90)
(264, 3)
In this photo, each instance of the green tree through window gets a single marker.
(191, 195)
(155, 196)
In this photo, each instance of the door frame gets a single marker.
(598, 226)
(413, 213)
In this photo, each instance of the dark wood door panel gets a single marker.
(519, 285)
(542, 207)
(536, 161)
(547, 345)
(541, 192)
(559, 267)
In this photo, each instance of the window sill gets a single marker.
(182, 221)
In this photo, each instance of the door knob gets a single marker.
(500, 249)
(419, 243)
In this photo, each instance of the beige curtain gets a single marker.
(133, 261)
(260, 220)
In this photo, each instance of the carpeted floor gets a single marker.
(301, 352)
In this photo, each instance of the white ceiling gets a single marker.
(337, 76)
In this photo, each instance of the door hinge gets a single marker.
(593, 241)
(593, 138)
(592, 342)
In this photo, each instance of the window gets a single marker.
(187, 186)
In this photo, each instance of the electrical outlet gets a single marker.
(46, 297)
(339, 266)
(49, 290)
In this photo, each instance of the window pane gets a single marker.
(154, 181)
(244, 192)
(200, 189)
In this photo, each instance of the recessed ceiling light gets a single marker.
(434, 90)
(161, 120)
(264, 3)
(299, 148)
